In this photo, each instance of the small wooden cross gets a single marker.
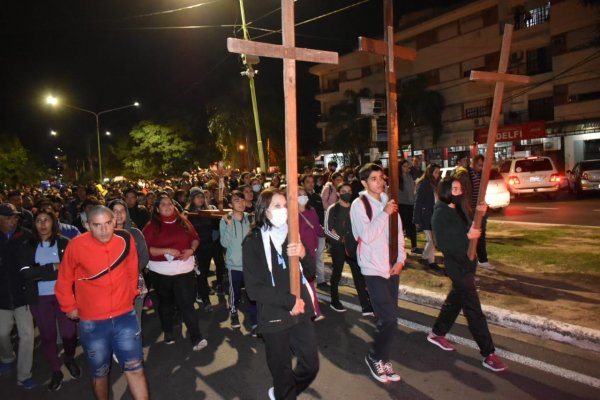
(500, 78)
(390, 52)
(289, 53)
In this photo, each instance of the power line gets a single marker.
(317, 17)
(206, 3)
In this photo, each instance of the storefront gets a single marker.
(518, 140)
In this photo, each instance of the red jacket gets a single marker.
(105, 296)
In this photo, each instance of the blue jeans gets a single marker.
(119, 335)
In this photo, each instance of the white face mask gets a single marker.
(256, 188)
(302, 200)
(278, 216)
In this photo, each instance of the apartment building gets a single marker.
(555, 42)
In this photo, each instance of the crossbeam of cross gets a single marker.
(290, 54)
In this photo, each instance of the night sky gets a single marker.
(100, 55)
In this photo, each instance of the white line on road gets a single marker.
(509, 355)
(542, 208)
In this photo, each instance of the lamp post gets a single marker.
(53, 101)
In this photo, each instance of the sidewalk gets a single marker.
(546, 282)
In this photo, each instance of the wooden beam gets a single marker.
(278, 51)
(485, 76)
(380, 47)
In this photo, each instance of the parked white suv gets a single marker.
(530, 175)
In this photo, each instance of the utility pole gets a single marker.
(249, 61)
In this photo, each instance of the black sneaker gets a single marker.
(368, 312)
(235, 321)
(206, 306)
(254, 332)
(219, 290)
(73, 369)
(416, 250)
(56, 381)
(169, 339)
(435, 267)
(323, 286)
(377, 369)
(337, 307)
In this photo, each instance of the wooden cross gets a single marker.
(500, 78)
(289, 53)
(390, 52)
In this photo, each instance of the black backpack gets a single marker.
(351, 244)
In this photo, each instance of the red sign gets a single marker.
(510, 133)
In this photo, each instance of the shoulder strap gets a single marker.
(126, 237)
(367, 204)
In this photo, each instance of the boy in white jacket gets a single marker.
(371, 230)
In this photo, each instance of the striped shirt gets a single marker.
(475, 183)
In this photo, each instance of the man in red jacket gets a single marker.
(97, 283)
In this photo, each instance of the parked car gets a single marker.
(497, 195)
(585, 177)
(531, 175)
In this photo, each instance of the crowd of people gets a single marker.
(83, 261)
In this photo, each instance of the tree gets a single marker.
(13, 160)
(350, 134)
(231, 123)
(157, 149)
(418, 106)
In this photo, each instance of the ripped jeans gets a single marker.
(119, 335)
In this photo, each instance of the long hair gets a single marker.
(428, 174)
(192, 207)
(262, 204)
(401, 174)
(444, 190)
(55, 233)
(157, 223)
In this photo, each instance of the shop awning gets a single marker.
(509, 133)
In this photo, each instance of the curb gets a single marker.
(546, 328)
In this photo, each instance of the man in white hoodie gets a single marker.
(370, 214)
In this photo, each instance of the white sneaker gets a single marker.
(486, 265)
(200, 345)
(271, 393)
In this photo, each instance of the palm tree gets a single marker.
(350, 133)
(418, 106)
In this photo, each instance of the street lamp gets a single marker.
(53, 101)
(107, 133)
(53, 133)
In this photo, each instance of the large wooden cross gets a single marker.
(390, 52)
(500, 78)
(289, 53)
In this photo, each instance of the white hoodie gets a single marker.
(373, 252)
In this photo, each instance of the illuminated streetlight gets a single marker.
(241, 147)
(53, 101)
(53, 133)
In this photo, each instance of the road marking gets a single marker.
(542, 208)
(506, 221)
(509, 355)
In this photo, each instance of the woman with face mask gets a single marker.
(451, 224)
(172, 242)
(310, 232)
(283, 320)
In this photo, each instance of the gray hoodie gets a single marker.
(140, 242)
(232, 236)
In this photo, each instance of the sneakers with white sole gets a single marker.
(377, 369)
(440, 341)
(486, 265)
(389, 371)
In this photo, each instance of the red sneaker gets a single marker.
(494, 363)
(440, 341)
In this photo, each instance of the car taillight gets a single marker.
(513, 180)
(584, 176)
(555, 178)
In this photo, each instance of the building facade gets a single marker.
(558, 114)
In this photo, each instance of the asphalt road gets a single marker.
(233, 365)
(566, 209)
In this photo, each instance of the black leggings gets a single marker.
(406, 215)
(180, 291)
